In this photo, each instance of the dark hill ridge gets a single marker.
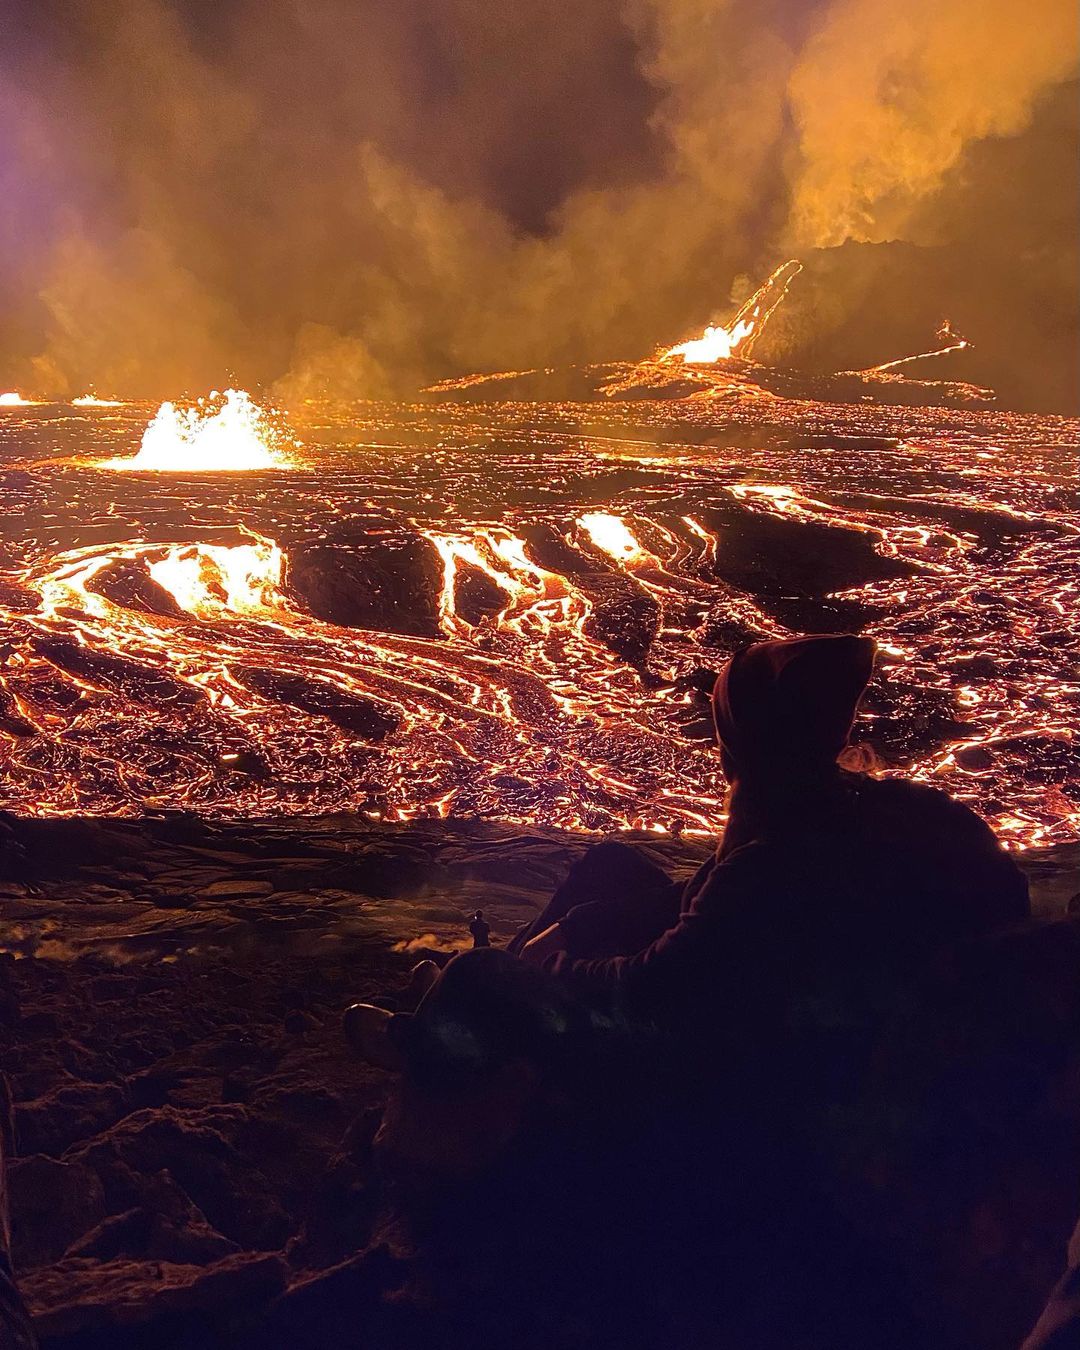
(194, 1137)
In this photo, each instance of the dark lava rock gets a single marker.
(130, 585)
(625, 617)
(52, 1204)
(236, 1197)
(385, 872)
(12, 847)
(181, 1234)
(973, 758)
(363, 717)
(390, 584)
(314, 1311)
(17, 597)
(476, 596)
(114, 672)
(82, 1295)
(779, 556)
(11, 720)
(296, 1022)
(50, 1123)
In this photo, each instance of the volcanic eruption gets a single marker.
(224, 433)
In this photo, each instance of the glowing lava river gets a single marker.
(512, 610)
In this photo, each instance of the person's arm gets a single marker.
(551, 942)
(728, 915)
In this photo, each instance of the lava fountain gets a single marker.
(718, 343)
(221, 434)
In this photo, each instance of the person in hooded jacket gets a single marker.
(828, 887)
(827, 891)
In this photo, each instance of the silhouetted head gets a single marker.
(785, 708)
(478, 915)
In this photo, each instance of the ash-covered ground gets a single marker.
(511, 610)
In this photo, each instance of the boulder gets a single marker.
(48, 1124)
(128, 584)
(170, 1229)
(476, 595)
(365, 718)
(236, 1197)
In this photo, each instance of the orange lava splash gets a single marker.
(225, 433)
(950, 340)
(211, 581)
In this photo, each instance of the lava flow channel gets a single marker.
(513, 611)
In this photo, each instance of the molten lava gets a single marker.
(14, 400)
(223, 434)
(211, 581)
(951, 342)
(612, 536)
(511, 611)
(719, 344)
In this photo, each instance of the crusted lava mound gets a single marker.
(390, 584)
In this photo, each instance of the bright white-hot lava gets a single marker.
(719, 343)
(715, 344)
(208, 580)
(612, 536)
(13, 400)
(223, 433)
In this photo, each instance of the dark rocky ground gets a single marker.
(194, 1139)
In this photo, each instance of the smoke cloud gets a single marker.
(351, 198)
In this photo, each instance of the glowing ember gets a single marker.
(13, 400)
(718, 344)
(92, 401)
(221, 434)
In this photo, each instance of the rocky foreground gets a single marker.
(193, 1138)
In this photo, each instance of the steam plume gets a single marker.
(346, 197)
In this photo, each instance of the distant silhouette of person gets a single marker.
(480, 930)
